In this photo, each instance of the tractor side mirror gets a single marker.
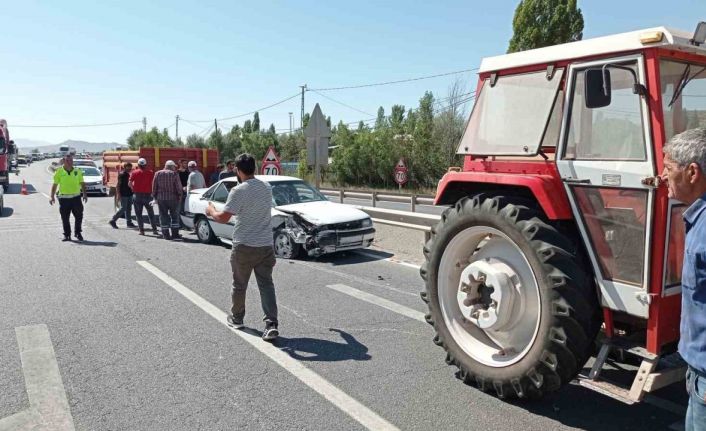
(598, 90)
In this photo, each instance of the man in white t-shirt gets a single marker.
(250, 202)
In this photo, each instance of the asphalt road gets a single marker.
(138, 344)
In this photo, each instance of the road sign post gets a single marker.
(400, 173)
(270, 163)
(317, 135)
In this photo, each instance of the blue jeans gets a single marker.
(696, 412)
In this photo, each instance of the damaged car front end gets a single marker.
(297, 234)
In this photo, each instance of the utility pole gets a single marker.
(215, 124)
(144, 124)
(290, 122)
(303, 87)
(176, 138)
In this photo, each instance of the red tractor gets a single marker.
(558, 224)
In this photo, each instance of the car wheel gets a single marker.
(204, 231)
(285, 247)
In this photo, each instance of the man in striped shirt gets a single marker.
(167, 191)
(251, 204)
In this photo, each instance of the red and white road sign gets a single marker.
(401, 173)
(271, 164)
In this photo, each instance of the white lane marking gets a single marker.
(380, 302)
(351, 277)
(45, 195)
(387, 259)
(49, 408)
(335, 396)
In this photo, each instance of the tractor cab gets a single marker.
(560, 197)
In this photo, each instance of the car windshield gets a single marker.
(294, 192)
(90, 172)
(84, 163)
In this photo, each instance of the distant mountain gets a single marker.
(46, 147)
(32, 143)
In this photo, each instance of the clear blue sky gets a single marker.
(87, 62)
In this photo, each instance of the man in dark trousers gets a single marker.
(213, 179)
(167, 191)
(123, 193)
(250, 202)
(685, 173)
(141, 184)
(184, 179)
(69, 182)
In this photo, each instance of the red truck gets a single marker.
(206, 158)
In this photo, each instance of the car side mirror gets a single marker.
(597, 91)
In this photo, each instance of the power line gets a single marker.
(349, 87)
(80, 125)
(251, 112)
(341, 103)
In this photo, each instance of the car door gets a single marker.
(218, 199)
(605, 154)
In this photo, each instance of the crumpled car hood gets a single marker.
(324, 212)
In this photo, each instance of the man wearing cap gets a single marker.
(141, 184)
(167, 191)
(69, 182)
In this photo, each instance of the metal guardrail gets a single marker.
(403, 219)
(375, 197)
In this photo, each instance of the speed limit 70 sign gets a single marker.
(270, 169)
(270, 164)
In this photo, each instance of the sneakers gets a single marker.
(79, 237)
(131, 225)
(237, 324)
(271, 332)
(142, 232)
(112, 223)
(67, 238)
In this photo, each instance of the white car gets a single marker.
(303, 220)
(93, 179)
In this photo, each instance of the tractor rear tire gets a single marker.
(551, 291)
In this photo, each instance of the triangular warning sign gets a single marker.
(271, 156)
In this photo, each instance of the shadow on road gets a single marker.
(315, 349)
(97, 243)
(582, 408)
(343, 258)
(6, 212)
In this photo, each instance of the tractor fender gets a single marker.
(547, 190)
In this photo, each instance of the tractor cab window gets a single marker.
(515, 116)
(683, 96)
(613, 132)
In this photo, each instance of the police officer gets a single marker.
(69, 181)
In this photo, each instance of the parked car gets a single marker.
(22, 160)
(93, 180)
(85, 162)
(303, 220)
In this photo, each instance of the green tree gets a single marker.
(540, 23)
(195, 141)
(256, 122)
(153, 138)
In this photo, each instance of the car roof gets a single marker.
(266, 178)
